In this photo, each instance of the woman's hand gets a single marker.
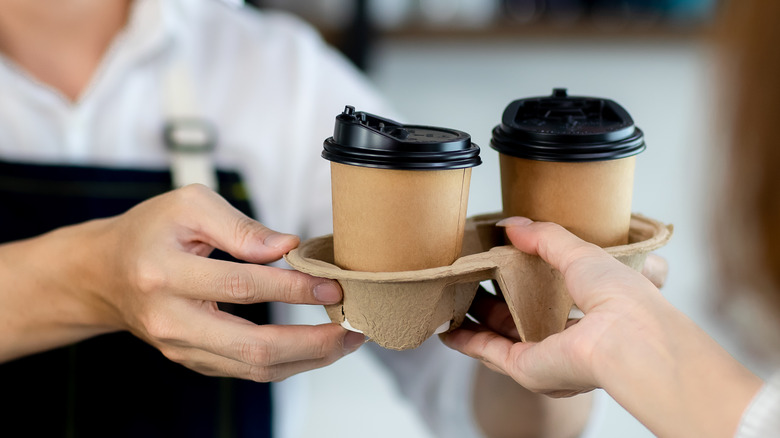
(147, 271)
(604, 289)
(647, 355)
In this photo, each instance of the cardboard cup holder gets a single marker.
(400, 310)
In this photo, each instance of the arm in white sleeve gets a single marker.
(762, 417)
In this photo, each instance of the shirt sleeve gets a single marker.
(762, 416)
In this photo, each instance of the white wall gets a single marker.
(665, 85)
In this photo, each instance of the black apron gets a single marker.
(114, 385)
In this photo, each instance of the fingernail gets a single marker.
(514, 221)
(277, 240)
(353, 340)
(328, 292)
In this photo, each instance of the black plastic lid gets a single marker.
(567, 128)
(363, 139)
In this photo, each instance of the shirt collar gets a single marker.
(152, 28)
(149, 29)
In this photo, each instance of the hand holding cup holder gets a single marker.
(400, 310)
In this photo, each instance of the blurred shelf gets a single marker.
(549, 31)
(536, 32)
(480, 20)
(354, 27)
(357, 45)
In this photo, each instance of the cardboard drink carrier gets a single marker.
(410, 262)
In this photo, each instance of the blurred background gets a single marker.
(458, 63)
(356, 26)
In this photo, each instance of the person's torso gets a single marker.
(272, 92)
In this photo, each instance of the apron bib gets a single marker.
(114, 385)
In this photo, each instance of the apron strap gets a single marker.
(189, 136)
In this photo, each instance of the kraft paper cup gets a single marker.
(569, 160)
(400, 192)
(387, 220)
(590, 199)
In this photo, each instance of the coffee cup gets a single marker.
(400, 192)
(569, 160)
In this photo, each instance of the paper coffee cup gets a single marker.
(400, 193)
(592, 200)
(397, 220)
(569, 160)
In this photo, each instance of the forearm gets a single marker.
(46, 299)
(675, 378)
(503, 408)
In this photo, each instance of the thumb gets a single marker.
(222, 226)
(256, 243)
(550, 367)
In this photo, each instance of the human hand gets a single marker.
(646, 354)
(605, 290)
(154, 279)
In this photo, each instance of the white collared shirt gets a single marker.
(267, 81)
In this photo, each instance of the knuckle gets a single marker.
(160, 329)
(325, 347)
(264, 374)
(173, 354)
(325, 344)
(295, 287)
(189, 195)
(245, 231)
(192, 191)
(286, 286)
(482, 342)
(581, 349)
(150, 278)
(239, 287)
(257, 353)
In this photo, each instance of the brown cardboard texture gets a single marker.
(400, 310)
(590, 199)
(387, 220)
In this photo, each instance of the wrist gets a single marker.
(672, 376)
(47, 303)
(85, 277)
